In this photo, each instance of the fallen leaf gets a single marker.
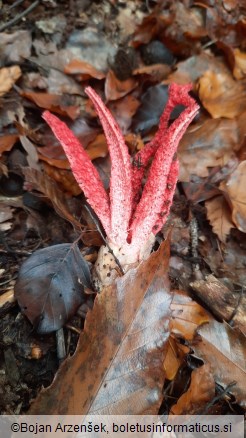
(41, 182)
(115, 89)
(117, 367)
(224, 350)
(239, 70)
(16, 46)
(194, 67)
(98, 147)
(123, 110)
(209, 143)
(83, 70)
(49, 288)
(219, 216)
(6, 213)
(52, 102)
(155, 72)
(221, 95)
(7, 142)
(8, 77)
(32, 155)
(235, 191)
(175, 356)
(227, 261)
(152, 103)
(200, 392)
(187, 315)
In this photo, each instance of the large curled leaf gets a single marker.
(118, 365)
(49, 288)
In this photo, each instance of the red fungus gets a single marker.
(129, 224)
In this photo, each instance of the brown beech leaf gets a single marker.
(83, 70)
(123, 111)
(63, 178)
(7, 142)
(36, 180)
(207, 144)
(235, 190)
(8, 77)
(239, 70)
(155, 72)
(115, 89)
(225, 350)
(219, 216)
(118, 364)
(187, 315)
(176, 353)
(53, 102)
(200, 392)
(221, 95)
(98, 147)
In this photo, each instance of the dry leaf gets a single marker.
(235, 190)
(8, 77)
(83, 70)
(221, 95)
(176, 353)
(219, 216)
(225, 350)
(200, 392)
(209, 143)
(187, 315)
(98, 147)
(7, 142)
(239, 70)
(115, 89)
(41, 182)
(117, 367)
(52, 102)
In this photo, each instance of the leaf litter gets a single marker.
(52, 69)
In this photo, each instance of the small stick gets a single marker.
(19, 16)
(60, 344)
(7, 299)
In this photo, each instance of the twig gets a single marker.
(17, 3)
(7, 298)
(60, 345)
(19, 16)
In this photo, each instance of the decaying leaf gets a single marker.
(8, 77)
(115, 89)
(187, 315)
(225, 350)
(36, 180)
(175, 356)
(83, 70)
(53, 102)
(49, 288)
(118, 364)
(221, 95)
(209, 143)
(7, 142)
(235, 189)
(219, 216)
(200, 392)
